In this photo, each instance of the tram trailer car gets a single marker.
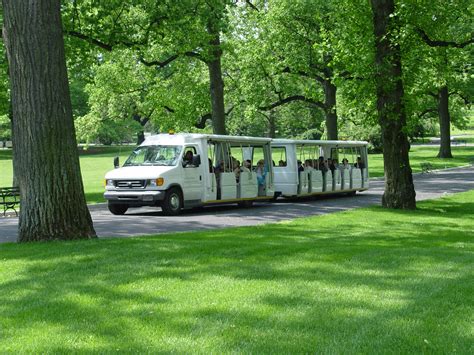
(311, 167)
(189, 170)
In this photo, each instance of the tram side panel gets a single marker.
(316, 179)
(248, 185)
(356, 178)
(303, 186)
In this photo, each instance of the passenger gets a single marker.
(336, 163)
(281, 163)
(248, 164)
(211, 168)
(236, 170)
(322, 165)
(345, 164)
(316, 164)
(219, 167)
(308, 165)
(244, 168)
(261, 174)
(188, 159)
(300, 166)
(331, 165)
(359, 163)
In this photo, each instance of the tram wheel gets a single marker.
(245, 204)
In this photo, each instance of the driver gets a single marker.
(188, 159)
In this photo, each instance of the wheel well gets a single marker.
(179, 188)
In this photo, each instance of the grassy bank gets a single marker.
(462, 155)
(97, 161)
(362, 281)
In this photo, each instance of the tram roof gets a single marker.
(183, 138)
(320, 143)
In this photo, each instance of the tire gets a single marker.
(352, 193)
(117, 209)
(173, 202)
(245, 204)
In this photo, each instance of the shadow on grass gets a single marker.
(289, 287)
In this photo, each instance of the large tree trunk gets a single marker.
(330, 110)
(271, 125)
(216, 81)
(52, 196)
(142, 121)
(399, 188)
(444, 123)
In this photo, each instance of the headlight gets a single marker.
(157, 182)
(109, 182)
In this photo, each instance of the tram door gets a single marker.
(192, 178)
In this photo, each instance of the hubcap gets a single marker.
(174, 201)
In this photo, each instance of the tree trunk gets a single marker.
(142, 121)
(140, 137)
(399, 189)
(444, 123)
(271, 125)
(52, 196)
(330, 110)
(216, 81)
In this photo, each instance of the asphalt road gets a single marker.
(146, 221)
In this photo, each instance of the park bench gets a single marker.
(459, 142)
(426, 168)
(9, 199)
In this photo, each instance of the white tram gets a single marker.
(188, 170)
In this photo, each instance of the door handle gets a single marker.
(200, 177)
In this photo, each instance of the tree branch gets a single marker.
(305, 74)
(466, 99)
(252, 6)
(157, 62)
(94, 41)
(425, 112)
(435, 43)
(202, 121)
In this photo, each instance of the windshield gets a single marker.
(154, 155)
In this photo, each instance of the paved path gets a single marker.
(145, 221)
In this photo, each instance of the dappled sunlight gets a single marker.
(313, 283)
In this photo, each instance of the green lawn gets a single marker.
(97, 161)
(363, 281)
(463, 155)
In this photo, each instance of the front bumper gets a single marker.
(135, 197)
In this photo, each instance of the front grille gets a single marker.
(130, 184)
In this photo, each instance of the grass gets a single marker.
(469, 130)
(463, 155)
(97, 161)
(364, 281)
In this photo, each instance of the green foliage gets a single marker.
(346, 282)
(5, 128)
(96, 129)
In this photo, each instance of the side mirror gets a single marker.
(116, 162)
(197, 160)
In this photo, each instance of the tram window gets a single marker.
(257, 155)
(279, 156)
